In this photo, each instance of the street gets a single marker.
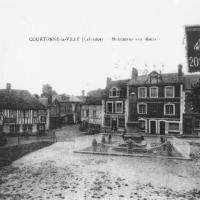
(55, 172)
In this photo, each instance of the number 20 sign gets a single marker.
(193, 48)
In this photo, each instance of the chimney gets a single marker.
(180, 72)
(83, 93)
(8, 86)
(134, 74)
(108, 82)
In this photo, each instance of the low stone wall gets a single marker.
(12, 153)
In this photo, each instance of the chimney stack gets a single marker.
(8, 86)
(180, 72)
(134, 74)
(83, 93)
(108, 81)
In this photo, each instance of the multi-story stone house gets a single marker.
(69, 108)
(91, 113)
(157, 102)
(115, 105)
(21, 112)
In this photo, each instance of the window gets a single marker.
(197, 123)
(142, 92)
(43, 119)
(107, 121)
(114, 92)
(169, 91)
(82, 113)
(142, 108)
(35, 113)
(12, 113)
(121, 122)
(169, 109)
(87, 113)
(94, 113)
(119, 107)
(41, 128)
(42, 112)
(27, 128)
(142, 124)
(109, 107)
(21, 114)
(14, 128)
(153, 92)
(26, 113)
(173, 126)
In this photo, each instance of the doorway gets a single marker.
(162, 128)
(153, 127)
(114, 124)
(187, 126)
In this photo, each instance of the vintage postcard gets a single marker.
(99, 99)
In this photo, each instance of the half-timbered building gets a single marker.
(21, 112)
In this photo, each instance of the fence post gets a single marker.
(18, 138)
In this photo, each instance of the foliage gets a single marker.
(48, 92)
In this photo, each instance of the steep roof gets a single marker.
(90, 100)
(18, 99)
(119, 83)
(44, 101)
(67, 98)
(187, 79)
(166, 78)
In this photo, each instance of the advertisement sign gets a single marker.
(193, 48)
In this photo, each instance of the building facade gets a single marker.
(21, 112)
(65, 109)
(158, 104)
(91, 113)
(114, 105)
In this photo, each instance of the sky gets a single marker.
(71, 66)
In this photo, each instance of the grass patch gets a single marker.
(12, 153)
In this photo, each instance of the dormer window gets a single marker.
(114, 92)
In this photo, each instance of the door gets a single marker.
(187, 126)
(153, 127)
(114, 124)
(162, 128)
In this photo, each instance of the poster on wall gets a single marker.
(193, 48)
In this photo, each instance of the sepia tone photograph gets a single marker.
(99, 100)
